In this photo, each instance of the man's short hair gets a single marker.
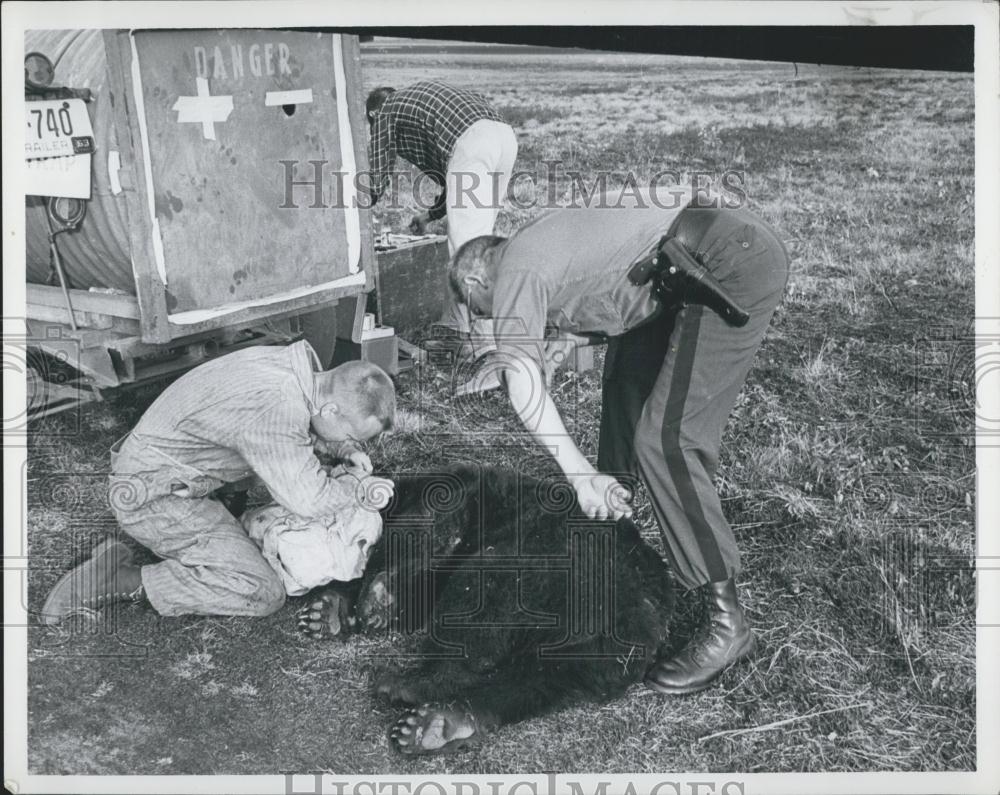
(377, 97)
(369, 389)
(469, 260)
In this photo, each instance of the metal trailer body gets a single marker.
(223, 199)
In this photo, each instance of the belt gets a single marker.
(678, 276)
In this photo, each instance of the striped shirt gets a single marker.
(421, 124)
(244, 413)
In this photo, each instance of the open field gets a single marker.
(847, 468)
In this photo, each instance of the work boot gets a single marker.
(722, 640)
(108, 576)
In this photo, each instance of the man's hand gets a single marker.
(323, 447)
(418, 224)
(557, 352)
(346, 452)
(601, 496)
(359, 460)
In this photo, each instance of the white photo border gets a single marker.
(19, 16)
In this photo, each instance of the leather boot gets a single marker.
(108, 576)
(722, 640)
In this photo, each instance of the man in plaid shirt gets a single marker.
(461, 142)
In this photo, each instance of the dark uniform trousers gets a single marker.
(670, 385)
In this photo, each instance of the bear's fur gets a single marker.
(522, 605)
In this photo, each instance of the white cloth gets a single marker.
(308, 553)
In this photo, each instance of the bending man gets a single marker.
(259, 412)
(461, 142)
(672, 372)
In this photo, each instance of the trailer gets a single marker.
(221, 201)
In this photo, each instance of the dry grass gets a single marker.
(846, 469)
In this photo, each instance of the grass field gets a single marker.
(847, 468)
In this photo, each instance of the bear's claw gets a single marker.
(434, 729)
(325, 617)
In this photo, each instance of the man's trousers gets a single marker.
(210, 565)
(670, 385)
(479, 171)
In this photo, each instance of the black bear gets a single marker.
(522, 604)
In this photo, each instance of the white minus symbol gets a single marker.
(300, 96)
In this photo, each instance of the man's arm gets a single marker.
(520, 299)
(278, 447)
(600, 496)
(418, 224)
(345, 451)
(381, 155)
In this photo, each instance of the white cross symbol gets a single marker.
(204, 108)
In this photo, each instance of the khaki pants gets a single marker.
(478, 174)
(210, 566)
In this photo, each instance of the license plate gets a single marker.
(57, 128)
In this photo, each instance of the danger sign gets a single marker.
(235, 61)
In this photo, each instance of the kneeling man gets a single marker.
(684, 294)
(256, 412)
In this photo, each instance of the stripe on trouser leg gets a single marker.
(678, 437)
(632, 365)
(674, 455)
